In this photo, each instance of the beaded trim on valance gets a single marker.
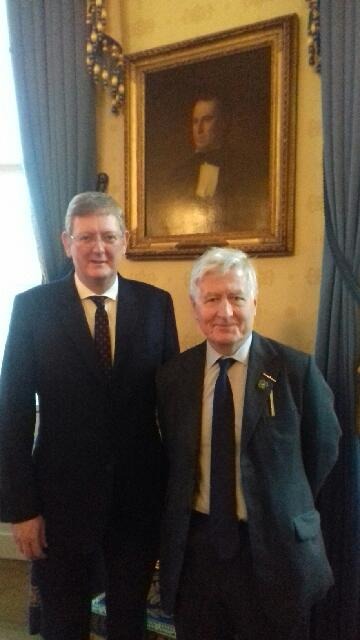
(314, 34)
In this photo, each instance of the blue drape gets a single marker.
(57, 113)
(338, 338)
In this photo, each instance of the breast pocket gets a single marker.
(307, 525)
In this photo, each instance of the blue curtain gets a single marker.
(57, 113)
(338, 338)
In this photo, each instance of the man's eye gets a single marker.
(110, 237)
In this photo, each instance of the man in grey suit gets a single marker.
(92, 483)
(248, 563)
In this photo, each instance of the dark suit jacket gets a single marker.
(284, 461)
(98, 453)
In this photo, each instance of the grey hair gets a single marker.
(93, 203)
(221, 260)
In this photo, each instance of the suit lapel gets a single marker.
(126, 320)
(262, 359)
(191, 379)
(71, 314)
(186, 378)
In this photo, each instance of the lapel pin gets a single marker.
(268, 377)
(272, 404)
(265, 383)
(262, 384)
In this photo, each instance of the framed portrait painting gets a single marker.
(210, 143)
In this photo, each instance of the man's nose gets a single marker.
(99, 243)
(200, 126)
(226, 308)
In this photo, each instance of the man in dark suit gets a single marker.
(248, 451)
(92, 482)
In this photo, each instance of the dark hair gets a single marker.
(207, 94)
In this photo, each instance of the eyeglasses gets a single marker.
(89, 239)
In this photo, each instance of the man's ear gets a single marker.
(66, 241)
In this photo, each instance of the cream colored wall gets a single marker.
(289, 286)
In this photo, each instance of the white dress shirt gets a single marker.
(207, 180)
(237, 376)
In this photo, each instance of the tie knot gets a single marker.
(99, 301)
(225, 364)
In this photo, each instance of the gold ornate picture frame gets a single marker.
(236, 91)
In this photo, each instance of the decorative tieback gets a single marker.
(313, 30)
(104, 56)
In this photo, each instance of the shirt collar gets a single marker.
(241, 355)
(84, 292)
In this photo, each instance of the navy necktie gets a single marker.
(223, 520)
(102, 334)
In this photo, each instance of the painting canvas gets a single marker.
(210, 143)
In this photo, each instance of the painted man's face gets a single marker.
(207, 125)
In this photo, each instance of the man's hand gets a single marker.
(30, 538)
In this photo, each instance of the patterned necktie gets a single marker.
(102, 334)
(223, 519)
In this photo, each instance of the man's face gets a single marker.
(224, 310)
(207, 125)
(95, 245)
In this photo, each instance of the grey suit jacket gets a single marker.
(98, 452)
(284, 461)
